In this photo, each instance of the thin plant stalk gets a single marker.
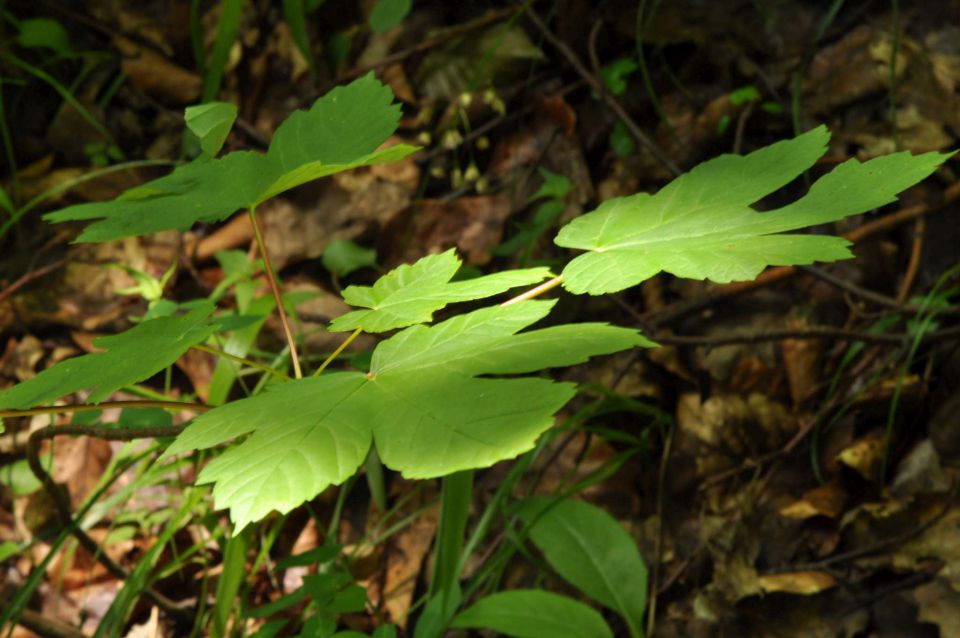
(272, 279)
(336, 353)
(247, 362)
(456, 493)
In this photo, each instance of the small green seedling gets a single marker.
(441, 399)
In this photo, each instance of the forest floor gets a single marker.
(786, 462)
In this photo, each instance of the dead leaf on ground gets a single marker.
(156, 75)
(802, 583)
(939, 604)
(865, 455)
(473, 224)
(824, 500)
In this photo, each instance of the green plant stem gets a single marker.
(59, 188)
(272, 279)
(336, 353)
(534, 292)
(64, 93)
(375, 479)
(240, 360)
(105, 405)
(456, 494)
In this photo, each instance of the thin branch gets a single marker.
(813, 332)
(61, 499)
(271, 278)
(30, 276)
(871, 296)
(104, 405)
(642, 138)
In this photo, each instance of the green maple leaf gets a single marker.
(423, 404)
(411, 293)
(341, 131)
(129, 357)
(701, 225)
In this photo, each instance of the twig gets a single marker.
(658, 546)
(61, 500)
(574, 60)
(429, 43)
(813, 332)
(104, 405)
(272, 280)
(913, 266)
(30, 276)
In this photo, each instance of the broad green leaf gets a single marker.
(211, 123)
(206, 190)
(341, 131)
(422, 404)
(44, 33)
(590, 550)
(129, 357)
(387, 14)
(5, 202)
(555, 186)
(342, 257)
(315, 170)
(411, 293)
(701, 225)
(530, 613)
(307, 435)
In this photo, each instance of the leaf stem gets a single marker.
(247, 362)
(336, 353)
(271, 278)
(70, 409)
(533, 292)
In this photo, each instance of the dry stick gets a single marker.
(271, 278)
(30, 276)
(813, 332)
(642, 138)
(913, 266)
(868, 295)
(429, 43)
(773, 275)
(104, 405)
(61, 500)
(658, 548)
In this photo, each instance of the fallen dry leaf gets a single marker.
(802, 583)
(865, 455)
(824, 500)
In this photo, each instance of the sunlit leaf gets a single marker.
(530, 613)
(340, 132)
(128, 357)
(211, 123)
(701, 225)
(410, 294)
(423, 403)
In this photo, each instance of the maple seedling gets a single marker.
(462, 393)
